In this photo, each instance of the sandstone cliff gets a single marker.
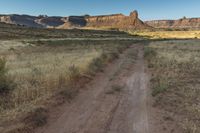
(184, 23)
(115, 21)
(118, 21)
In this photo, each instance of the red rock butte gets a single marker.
(113, 21)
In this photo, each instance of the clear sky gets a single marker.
(148, 9)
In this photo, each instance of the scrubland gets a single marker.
(38, 70)
(10, 32)
(35, 68)
(175, 68)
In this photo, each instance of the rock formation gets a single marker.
(184, 23)
(115, 21)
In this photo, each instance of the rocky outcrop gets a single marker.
(44, 21)
(115, 21)
(6, 19)
(50, 21)
(24, 20)
(184, 23)
(73, 22)
(118, 21)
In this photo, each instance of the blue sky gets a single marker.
(148, 9)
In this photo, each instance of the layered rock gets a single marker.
(118, 21)
(25, 20)
(115, 21)
(73, 22)
(50, 21)
(184, 23)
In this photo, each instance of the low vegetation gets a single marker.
(37, 117)
(9, 31)
(175, 81)
(169, 34)
(42, 69)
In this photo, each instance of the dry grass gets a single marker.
(168, 34)
(175, 82)
(43, 70)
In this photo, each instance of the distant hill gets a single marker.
(183, 23)
(115, 21)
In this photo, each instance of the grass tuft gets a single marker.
(73, 73)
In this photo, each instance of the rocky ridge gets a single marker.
(114, 21)
(183, 23)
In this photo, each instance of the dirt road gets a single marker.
(114, 102)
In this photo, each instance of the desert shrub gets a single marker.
(120, 49)
(68, 83)
(114, 55)
(73, 73)
(159, 88)
(117, 88)
(37, 117)
(95, 65)
(149, 52)
(39, 42)
(114, 89)
(11, 49)
(169, 29)
(111, 56)
(104, 56)
(69, 92)
(5, 82)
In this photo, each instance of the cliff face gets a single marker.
(44, 21)
(115, 21)
(185, 23)
(50, 21)
(25, 20)
(118, 21)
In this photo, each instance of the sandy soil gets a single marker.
(101, 108)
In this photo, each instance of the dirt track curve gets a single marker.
(101, 107)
